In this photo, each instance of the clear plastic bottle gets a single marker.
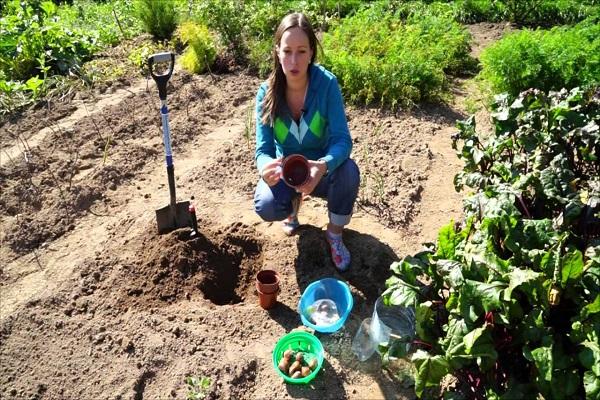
(390, 325)
(323, 312)
(396, 320)
(363, 345)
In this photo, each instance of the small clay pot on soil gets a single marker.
(267, 286)
(267, 281)
(267, 300)
(295, 170)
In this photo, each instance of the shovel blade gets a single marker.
(170, 218)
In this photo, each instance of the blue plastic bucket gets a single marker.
(327, 288)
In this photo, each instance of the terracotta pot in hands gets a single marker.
(295, 170)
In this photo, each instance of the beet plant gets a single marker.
(508, 302)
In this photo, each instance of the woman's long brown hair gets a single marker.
(273, 99)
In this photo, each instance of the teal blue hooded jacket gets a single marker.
(322, 132)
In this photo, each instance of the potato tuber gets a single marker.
(313, 364)
(297, 375)
(299, 356)
(306, 371)
(296, 366)
(288, 354)
(284, 365)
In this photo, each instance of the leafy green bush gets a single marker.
(42, 42)
(201, 51)
(227, 18)
(545, 12)
(159, 17)
(245, 27)
(260, 58)
(509, 302)
(472, 11)
(139, 55)
(529, 12)
(381, 58)
(544, 59)
(560, 12)
(111, 20)
(36, 41)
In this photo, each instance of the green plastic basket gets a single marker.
(299, 341)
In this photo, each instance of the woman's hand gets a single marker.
(271, 172)
(317, 170)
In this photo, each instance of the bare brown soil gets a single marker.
(95, 304)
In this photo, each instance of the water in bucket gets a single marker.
(323, 312)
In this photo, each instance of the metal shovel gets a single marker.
(176, 214)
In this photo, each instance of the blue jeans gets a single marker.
(340, 188)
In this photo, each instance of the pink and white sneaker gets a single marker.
(339, 253)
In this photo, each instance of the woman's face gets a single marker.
(294, 54)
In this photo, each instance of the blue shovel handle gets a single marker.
(161, 82)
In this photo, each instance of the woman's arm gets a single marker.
(339, 144)
(265, 142)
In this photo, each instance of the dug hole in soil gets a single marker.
(95, 304)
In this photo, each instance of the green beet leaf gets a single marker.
(430, 370)
(591, 384)
(571, 267)
(542, 358)
(447, 242)
(479, 343)
(590, 355)
(400, 293)
(518, 277)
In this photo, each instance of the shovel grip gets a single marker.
(161, 79)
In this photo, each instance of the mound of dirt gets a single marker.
(166, 269)
(173, 266)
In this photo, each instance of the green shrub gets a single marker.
(472, 11)
(242, 25)
(559, 12)
(509, 302)
(201, 51)
(139, 55)
(545, 12)
(260, 59)
(382, 58)
(42, 42)
(226, 17)
(36, 41)
(528, 13)
(112, 20)
(560, 57)
(159, 17)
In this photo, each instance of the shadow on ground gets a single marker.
(327, 385)
(369, 269)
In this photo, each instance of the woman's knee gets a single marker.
(266, 205)
(265, 208)
(348, 176)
